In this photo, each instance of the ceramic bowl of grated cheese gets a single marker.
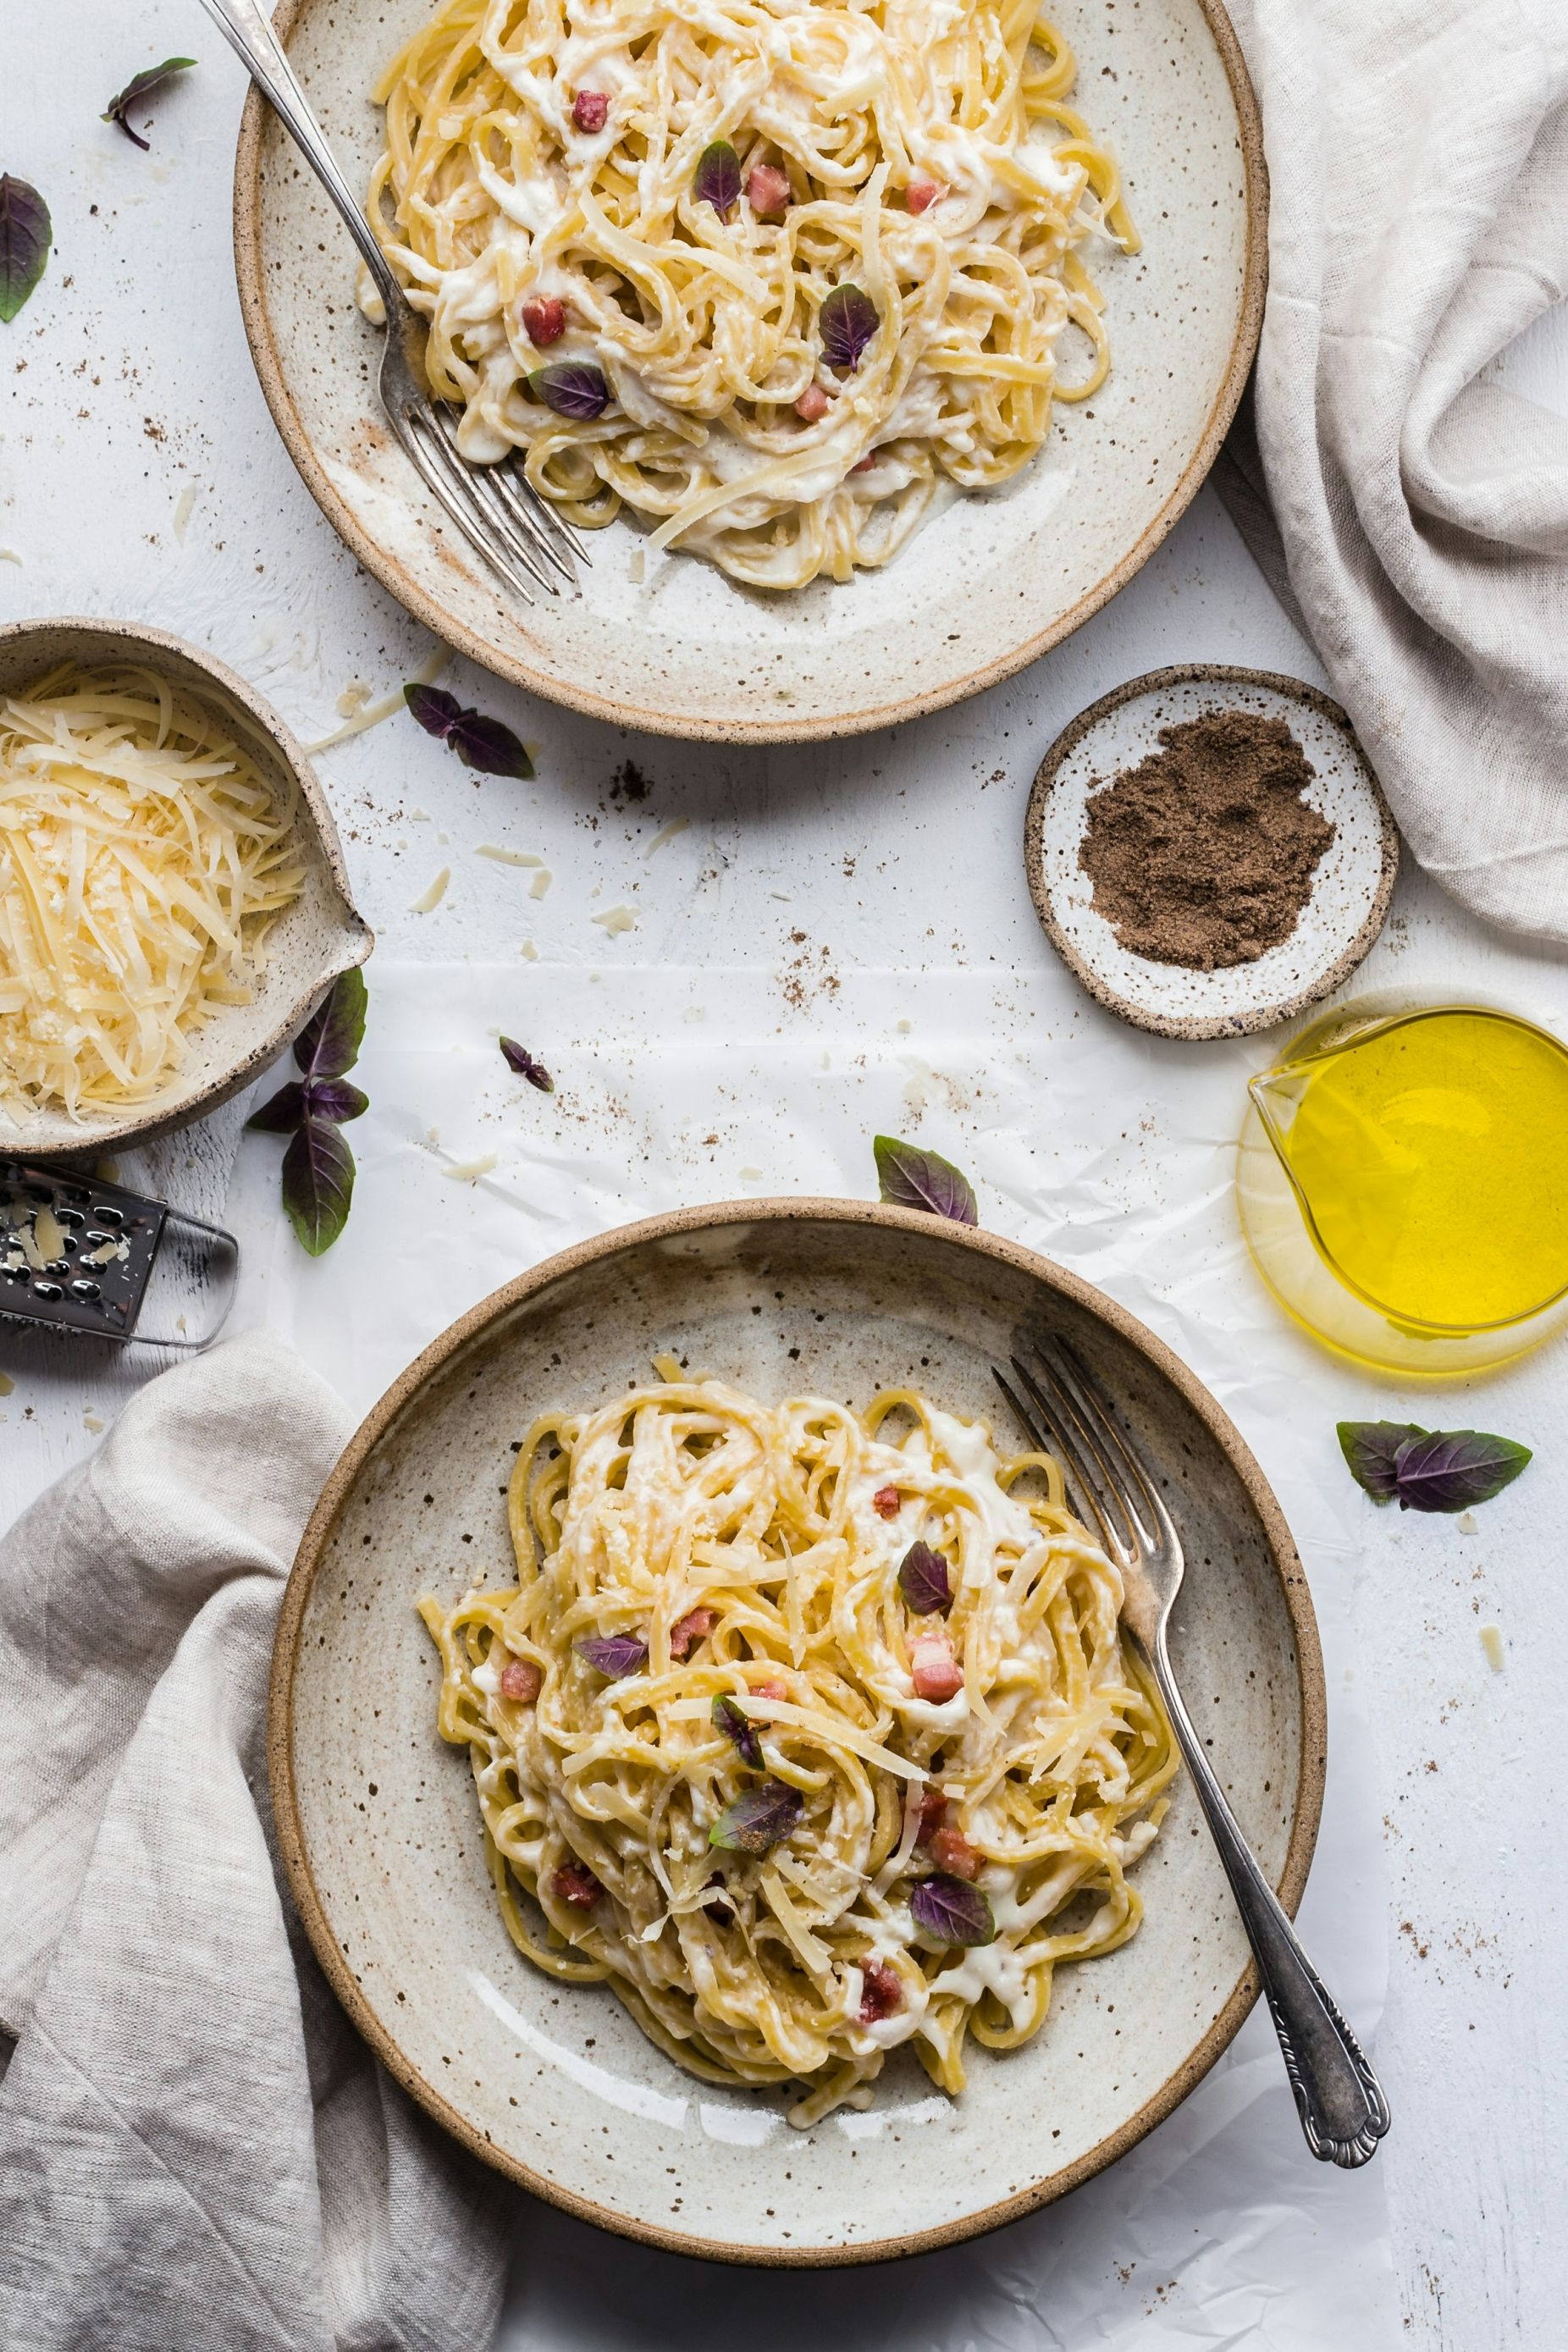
(173, 895)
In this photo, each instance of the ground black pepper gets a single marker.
(1203, 854)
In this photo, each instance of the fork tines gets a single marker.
(1070, 1418)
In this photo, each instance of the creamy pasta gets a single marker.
(810, 1733)
(771, 273)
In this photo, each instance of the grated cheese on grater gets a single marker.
(143, 857)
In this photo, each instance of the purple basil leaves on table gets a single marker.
(925, 1581)
(912, 1178)
(319, 1167)
(143, 85)
(486, 744)
(25, 232)
(520, 1059)
(1429, 1469)
(716, 179)
(849, 321)
(575, 389)
(739, 1727)
(950, 1912)
(330, 1041)
(614, 1656)
(318, 1184)
(758, 1819)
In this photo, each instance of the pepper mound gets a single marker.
(1203, 854)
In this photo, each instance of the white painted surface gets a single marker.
(127, 383)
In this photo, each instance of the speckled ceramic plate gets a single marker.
(554, 2084)
(1352, 886)
(320, 935)
(987, 586)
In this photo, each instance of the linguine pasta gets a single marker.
(809, 1732)
(634, 226)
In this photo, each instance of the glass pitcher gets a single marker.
(1403, 1182)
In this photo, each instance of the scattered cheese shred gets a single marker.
(506, 857)
(144, 854)
(678, 824)
(468, 1171)
(370, 714)
(7, 1385)
(183, 507)
(434, 894)
(540, 883)
(1491, 1642)
(617, 920)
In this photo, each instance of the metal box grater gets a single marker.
(81, 1255)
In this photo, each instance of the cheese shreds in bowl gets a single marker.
(143, 857)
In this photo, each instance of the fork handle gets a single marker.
(1339, 2098)
(247, 29)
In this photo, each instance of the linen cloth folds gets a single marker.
(197, 2153)
(1418, 166)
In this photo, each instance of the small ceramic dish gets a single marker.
(314, 940)
(553, 2083)
(1350, 888)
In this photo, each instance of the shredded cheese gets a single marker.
(144, 854)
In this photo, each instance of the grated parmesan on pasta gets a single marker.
(143, 857)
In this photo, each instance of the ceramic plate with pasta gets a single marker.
(869, 348)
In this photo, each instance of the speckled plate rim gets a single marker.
(1191, 1025)
(125, 640)
(405, 1391)
(627, 712)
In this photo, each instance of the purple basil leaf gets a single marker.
(849, 321)
(329, 1044)
(716, 179)
(488, 745)
(759, 1818)
(335, 1099)
(572, 388)
(739, 1727)
(25, 232)
(614, 1656)
(281, 1113)
(952, 1912)
(436, 710)
(318, 1184)
(520, 1059)
(1370, 1448)
(912, 1178)
(926, 1582)
(1449, 1469)
(143, 85)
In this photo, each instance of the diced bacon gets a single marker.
(934, 1670)
(544, 321)
(575, 1883)
(694, 1627)
(921, 194)
(767, 190)
(881, 1992)
(951, 1851)
(933, 1812)
(521, 1680)
(886, 1502)
(590, 110)
(768, 1690)
(812, 404)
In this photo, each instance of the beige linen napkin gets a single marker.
(197, 2153)
(1418, 168)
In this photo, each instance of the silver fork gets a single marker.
(1339, 2098)
(498, 511)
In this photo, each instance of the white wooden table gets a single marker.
(140, 476)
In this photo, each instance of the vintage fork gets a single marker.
(499, 513)
(1339, 2100)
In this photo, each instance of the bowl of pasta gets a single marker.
(871, 349)
(706, 1756)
